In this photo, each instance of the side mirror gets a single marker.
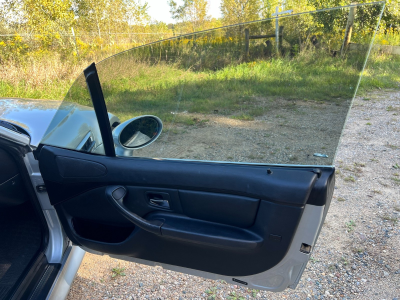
(136, 133)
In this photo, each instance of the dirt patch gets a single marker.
(287, 132)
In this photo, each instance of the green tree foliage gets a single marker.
(192, 12)
(110, 15)
(48, 18)
(239, 11)
(105, 27)
(367, 15)
(48, 23)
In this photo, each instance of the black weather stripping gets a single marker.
(96, 93)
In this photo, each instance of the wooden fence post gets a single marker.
(247, 42)
(349, 30)
(280, 36)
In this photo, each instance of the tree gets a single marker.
(48, 20)
(194, 12)
(367, 15)
(239, 11)
(137, 13)
(110, 16)
(91, 15)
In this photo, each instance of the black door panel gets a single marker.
(227, 209)
(276, 184)
(275, 225)
(232, 220)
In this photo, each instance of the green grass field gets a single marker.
(244, 91)
(235, 90)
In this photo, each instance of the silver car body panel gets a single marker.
(72, 259)
(32, 115)
(13, 136)
(74, 124)
(57, 239)
(285, 274)
(53, 122)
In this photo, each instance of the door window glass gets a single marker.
(74, 125)
(253, 92)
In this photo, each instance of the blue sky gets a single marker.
(159, 10)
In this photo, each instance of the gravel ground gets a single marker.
(357, 254)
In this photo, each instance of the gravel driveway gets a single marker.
(357, 255)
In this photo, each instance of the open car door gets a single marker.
(210, 153)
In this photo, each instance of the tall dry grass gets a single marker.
(39, 77)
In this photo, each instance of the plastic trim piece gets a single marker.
(175, 226)
(284, 186)
(150, 226)
(69, 267)
(285, 274)
(96, 93)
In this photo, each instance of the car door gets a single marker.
(233, 173)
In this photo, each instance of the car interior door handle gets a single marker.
(116, 195)
(162, 203)
(157, 201)
(186, 229)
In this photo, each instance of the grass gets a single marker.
(234, 296)
(233, 90)
(331, 267)
(349, 179)
(118, 272)
(356, 168)
(254, 293)
(211, 293)
(358, 164)
(389, 219)
(393, 147)
(350, 226)
(391, 108)
(395, 180)
(358, 250)
(243, 117)
(47, 77)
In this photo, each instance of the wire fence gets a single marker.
(87, 34)
(81, 43)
